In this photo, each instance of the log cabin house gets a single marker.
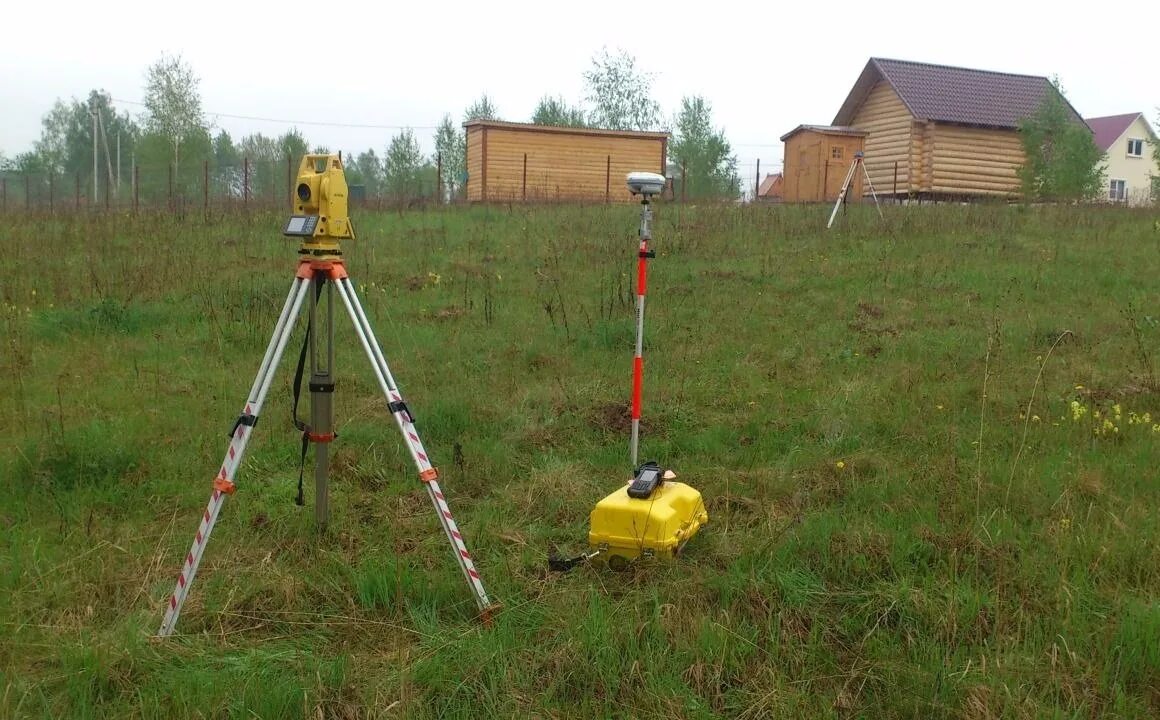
(509, 161)
(939, 131)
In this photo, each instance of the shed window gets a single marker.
(1135, 147)
(836, 152)
(1118, 191)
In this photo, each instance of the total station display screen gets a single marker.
(301, 225)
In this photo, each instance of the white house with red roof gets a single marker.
(1127, 142)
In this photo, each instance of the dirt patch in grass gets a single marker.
(616, 417)
(869, 310)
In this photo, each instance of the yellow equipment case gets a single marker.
(653, 521)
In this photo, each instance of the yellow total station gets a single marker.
(320, 207)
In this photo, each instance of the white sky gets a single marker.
(765, 67)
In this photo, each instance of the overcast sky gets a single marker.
(765, 67)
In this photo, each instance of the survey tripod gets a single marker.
(321, 221)
(854, 166)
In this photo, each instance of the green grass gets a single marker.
(908, 516)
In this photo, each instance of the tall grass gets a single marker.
(927, 445)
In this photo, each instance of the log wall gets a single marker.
(891, 140)
(528, 162)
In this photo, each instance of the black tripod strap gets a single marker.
(299, 424)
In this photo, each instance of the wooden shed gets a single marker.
(934, 130)
(516, 161)
(817, 159)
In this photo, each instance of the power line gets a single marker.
(362, 126)
(368, 126)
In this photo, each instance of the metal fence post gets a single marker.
(290, 179)
(439, 178)
(171, 187)
(525, 178)
(51, 193)
(136, 186)
(27, 192)
(757, 181)
(4, 194)
(608, 180)
(205, 187)
(245, 181)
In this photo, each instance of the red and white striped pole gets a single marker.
(641, 283)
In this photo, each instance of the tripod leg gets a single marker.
(223, 482)
(322, 400)
(842, 194)
(427, 472)
(873, 194)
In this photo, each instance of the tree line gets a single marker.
(173, 132)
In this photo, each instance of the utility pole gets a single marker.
(108, 155)
(93, 112)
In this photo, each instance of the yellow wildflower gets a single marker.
(840, 464)
(1077, 410)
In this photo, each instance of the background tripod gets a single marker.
(858, 163)
(322, 193)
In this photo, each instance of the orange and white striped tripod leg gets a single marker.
(427, 472)
(224, 481)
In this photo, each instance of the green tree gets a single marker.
(621, 94)
(403, 167)
(710, 168)
(65, 146)
(27, 163)
(369, 169)
(555, 111)
(264, 154)
(449, 146)
(160, 175)
(481, 109)
(293, 144)
(173, 102)
(1156, 160)
(1062, 160)
(227, 163)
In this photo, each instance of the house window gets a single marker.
(1135, 147)
(1118, 191)
(836, 152)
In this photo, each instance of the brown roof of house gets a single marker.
(769, 185)
(942, 93)
(1108, 129)
(825, 130)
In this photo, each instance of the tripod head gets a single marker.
(320, 207)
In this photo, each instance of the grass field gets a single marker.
(928, 449)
